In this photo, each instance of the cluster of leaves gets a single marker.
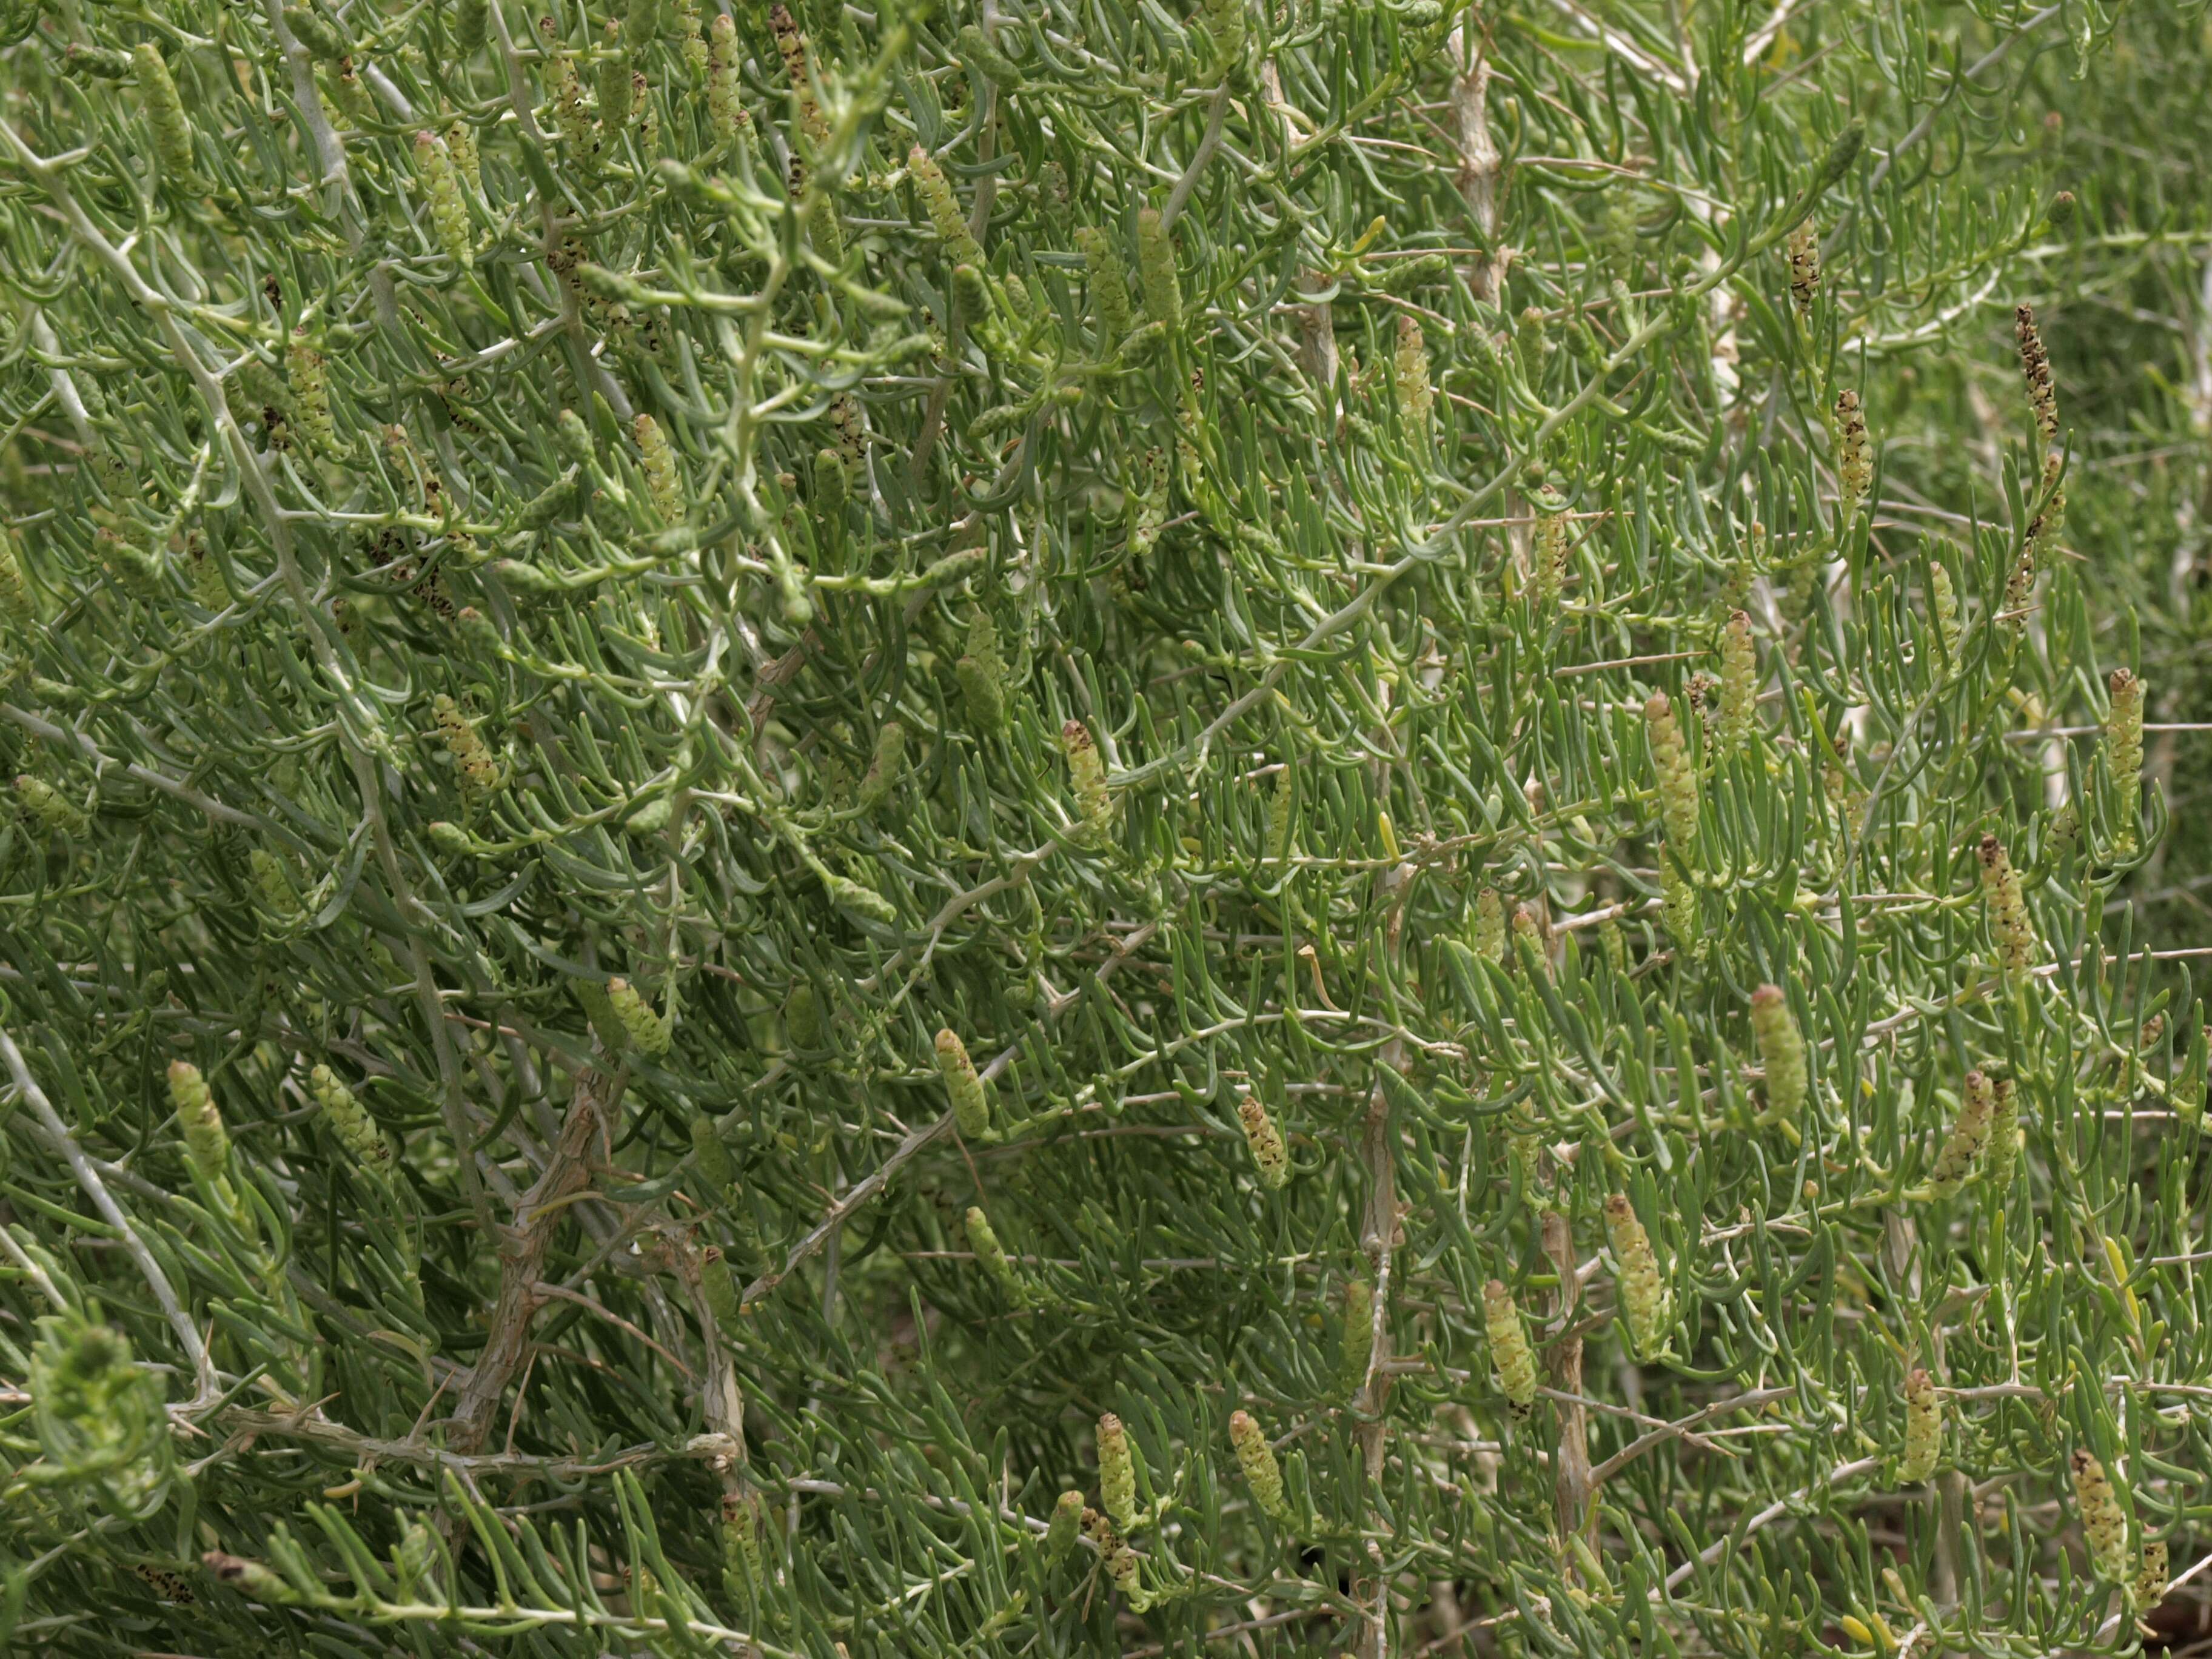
(1048, 828)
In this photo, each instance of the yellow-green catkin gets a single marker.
(1854, 467)
(1614, 939)
(604, 1026)
(650, 1033)
(2003, 1155)
(1739, 681)
(664, 479)
(461, 145)
(412, 1558)
(718, 1171)
(441, 188)
(1529, 942)
(407, 460)
(1282, 820)
(1121, 1566)
(1086, 777)
(570, 112)
(204, 572)
(1110, 285)
(272, 887)
(741, 1544)
(614, 73)
(1416, 396)
(351, 96)
(1644, 1295)
(1924, 1429)
(935, 190)
(695, 57)
(14, 593)
(1357, 1350)
(206, 1144)
(1227, 29)
(1148, 502)
(1067, 1521)
(1117, 1472)
(2009, 922)
(981, 674)
(1678, 905)
(2123, 752)
(305, 373)
(1156, 271)
(575, 438)
(472, 25)
(963, 1086)
(648, 117)
(1510, 1357)
(1678, 780)
(48, 808)
(263, 1583)
(1551, 549)
(1944, 606)
(833, 489)
(2020, 584)
(977, 53)
(1970, 1133)
(1841, 788)
(2035, 369)
(2103, 1523)
(2151, 1574)
(1256, 1458)
(1525, 1154)
(725, 97)
(473, 757)
(165, 112)
(885, 765)
(349, 1120)
(557, 499)
(722, 1288)
(1781, 1051)
(984, 1239)
(863, 901)
(1490, 926)
(852, 430)
(2042, 529)
(1269, 1156)
(1804, 247)
(791, 46)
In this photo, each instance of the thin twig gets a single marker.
(522, 1260)
(145, 775)
(57, 1135)
(417, 1453)
(874, 1181)
(1207, 147)
(546, 1288)
(1773, 1512)
(1628, 1454)
(2038, 733)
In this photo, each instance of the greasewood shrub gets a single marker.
(1045, 828)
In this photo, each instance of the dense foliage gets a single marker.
(1046, 828)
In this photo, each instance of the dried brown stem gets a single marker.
(522, 1259)
(1576, 1485)
(1479, 165)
